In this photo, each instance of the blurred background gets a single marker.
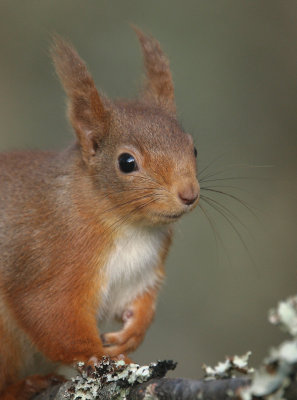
(234, 67)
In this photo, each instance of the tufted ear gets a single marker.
(86, 110)
(159, 85)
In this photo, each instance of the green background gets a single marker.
(234, 67)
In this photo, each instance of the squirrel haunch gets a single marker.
(84, 233)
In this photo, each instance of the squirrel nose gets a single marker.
(189, 194)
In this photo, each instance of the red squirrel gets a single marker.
(84, 232)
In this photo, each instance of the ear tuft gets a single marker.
(87, 113)
(159, 85)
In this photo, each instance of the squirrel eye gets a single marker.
(127, 163)
(195, 152)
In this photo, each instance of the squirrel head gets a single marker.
(136, 153)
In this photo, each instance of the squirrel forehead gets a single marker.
(140, 125)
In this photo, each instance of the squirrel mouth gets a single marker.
(169, 216)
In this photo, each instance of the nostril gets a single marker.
(188, 198)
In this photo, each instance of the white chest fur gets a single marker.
(131, 268)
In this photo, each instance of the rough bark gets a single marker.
(172, 389)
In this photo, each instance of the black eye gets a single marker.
(127, 163)
(195, 152)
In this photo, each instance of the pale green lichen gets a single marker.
(286, 315)
(111, 379)
(275, 376)
(242, 362)
(227, 368)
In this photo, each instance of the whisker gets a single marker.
(233, 227)
(211, 163)
(232, 196)
(215, 232)
(217, 236)
(232, 167)
(131, 201)
(236, 178)
(224, 186)
(157, 185)
(224, 208)
(128, 190)
(120, 221)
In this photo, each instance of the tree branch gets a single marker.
(113, 380)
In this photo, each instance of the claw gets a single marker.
(88, 367)
(127, 314)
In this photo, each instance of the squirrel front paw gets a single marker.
(123, 341)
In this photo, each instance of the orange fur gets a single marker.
(26, 388)
(10, 357)
(79, 237)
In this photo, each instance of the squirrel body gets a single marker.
(84, 233)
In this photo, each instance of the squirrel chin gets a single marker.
(164, 218)
(168, 218)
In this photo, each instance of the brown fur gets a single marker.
(61, 215)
